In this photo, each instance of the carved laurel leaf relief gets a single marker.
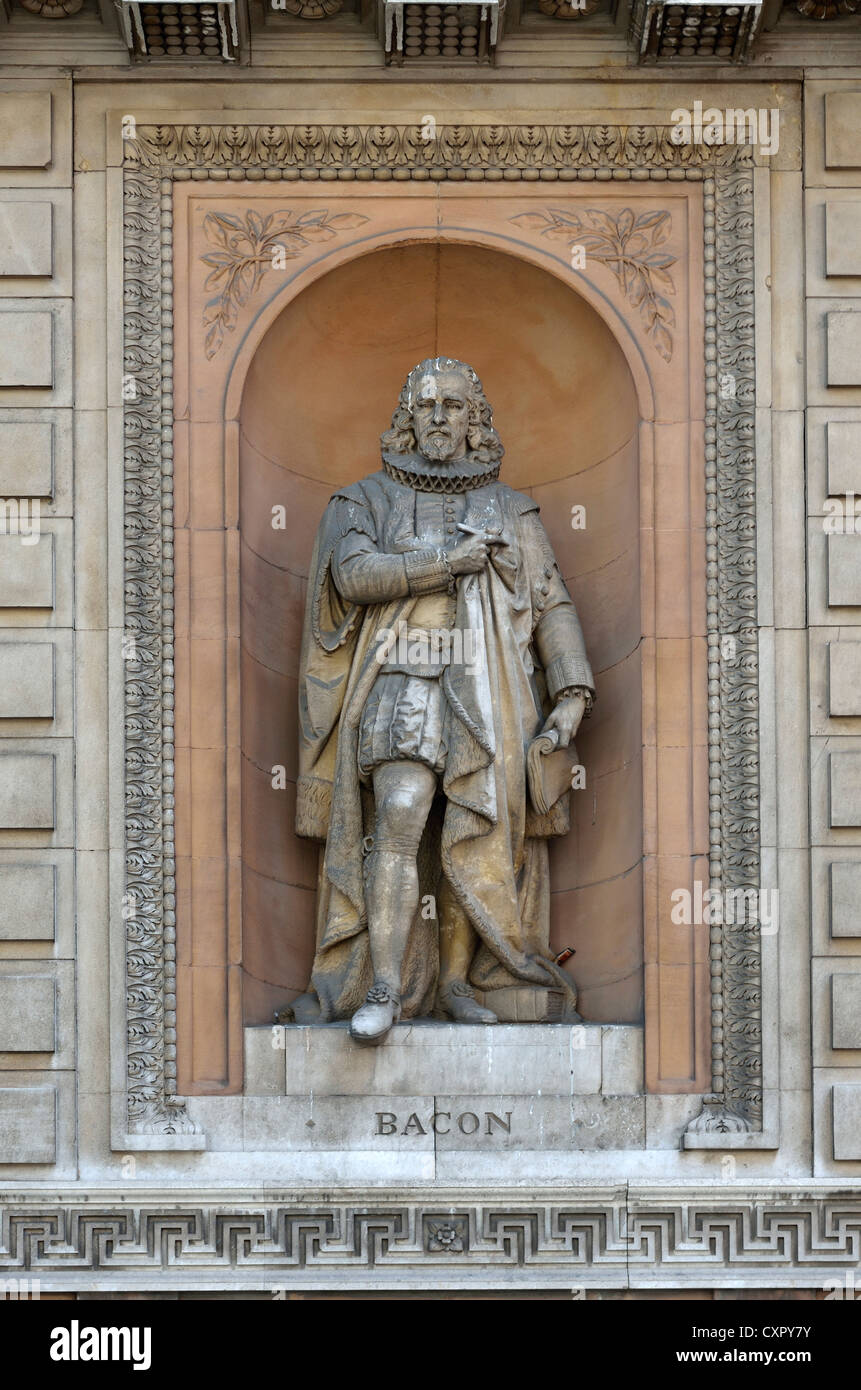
(246, 247)
(629, 246)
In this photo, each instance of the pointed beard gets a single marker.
(437, 448)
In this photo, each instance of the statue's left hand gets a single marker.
(566, 718)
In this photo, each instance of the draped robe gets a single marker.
(492, 846)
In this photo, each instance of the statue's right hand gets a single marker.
(469, 556)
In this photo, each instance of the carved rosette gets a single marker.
(52, 9)
(827, 9)
(313, 9)
(161, 154)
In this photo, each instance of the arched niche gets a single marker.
(320, 387)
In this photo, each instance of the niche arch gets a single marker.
(644, 965)
(319, 386)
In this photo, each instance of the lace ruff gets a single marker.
(460, 476)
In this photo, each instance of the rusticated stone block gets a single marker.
(843, 238)
(27, 902)
(844, 678)
(27, 1013)
(28, 1124)
(26, 791)
(26, 571)
(26, 348)
(845, 1009)
(25, 238)
(843, 331)
(27, 680)
(844, 457)
(846, 1113)
(844, 571)
(842, 124)
(25, 130)
(845, 788)
(26, 463)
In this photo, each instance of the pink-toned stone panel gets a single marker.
(582, 426)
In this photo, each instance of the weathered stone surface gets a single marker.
(542, 1123)
(844, 457)
(442, 1123)
(27, 1013)
(608, 1122)
(845, 898)
(264, 1063)
(843, 238)
(845, 1009)
(27, 681)
(25, 130)
(845, 776)
(26, 348)
(28, 1124)
(26, 458)
(447, 1058)
(339, 1122)
(26, 791)
(846, 1114)
(667, 1118)
(844, 571)
(844, 348)
(512, 1087)
(622, 1061)
(26, 238)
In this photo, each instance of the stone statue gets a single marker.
(439, 640)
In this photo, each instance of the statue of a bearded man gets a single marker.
(434, 892)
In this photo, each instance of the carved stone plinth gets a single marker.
(447, 1088)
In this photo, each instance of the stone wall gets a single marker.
(831, 607)
(54, 643)
(98, 725)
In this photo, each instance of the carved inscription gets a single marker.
(443, 1122)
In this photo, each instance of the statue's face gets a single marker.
(441, 415)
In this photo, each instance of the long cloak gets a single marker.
(492, 844)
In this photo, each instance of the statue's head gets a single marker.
(443, 414)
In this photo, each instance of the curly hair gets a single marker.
(483, 441)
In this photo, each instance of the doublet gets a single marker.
(406, 714)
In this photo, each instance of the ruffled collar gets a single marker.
(459, 475)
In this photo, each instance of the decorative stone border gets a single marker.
(153, 160)
(733, 684)
(802, 1237)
